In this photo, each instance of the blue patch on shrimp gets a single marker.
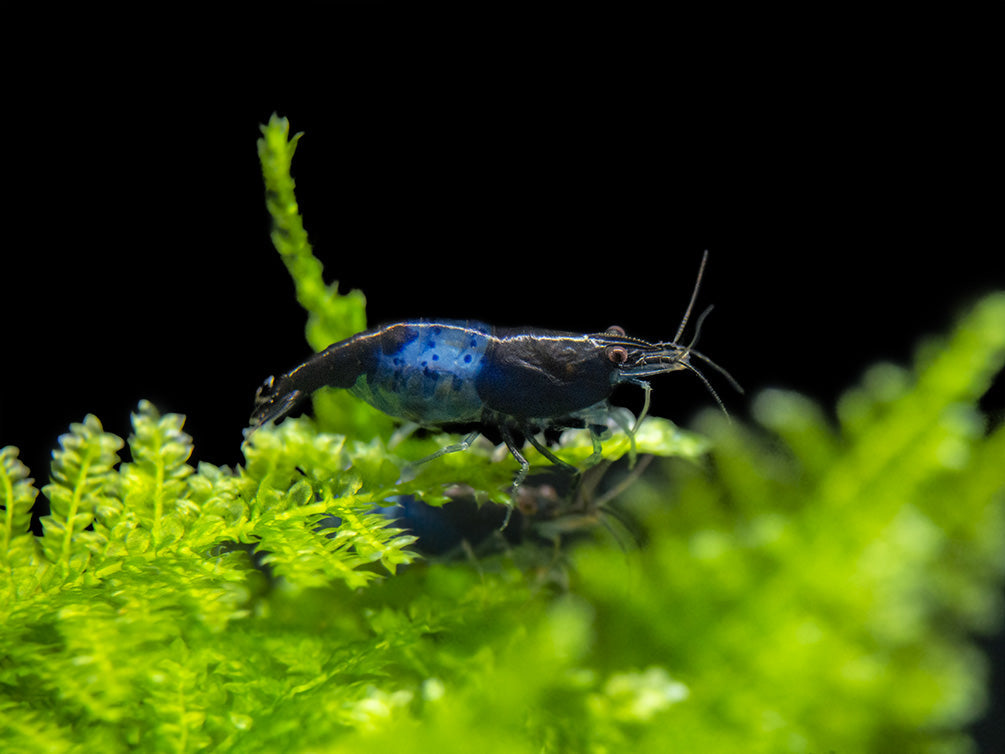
(428, 379)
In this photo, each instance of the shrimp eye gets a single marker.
(615, 330)
(617, 354)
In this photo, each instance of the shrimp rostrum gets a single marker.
(515, 380)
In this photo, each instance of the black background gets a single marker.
(843, 187)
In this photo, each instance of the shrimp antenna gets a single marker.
(686, 351)
(690, 350)
(708, 385)
(694, 297)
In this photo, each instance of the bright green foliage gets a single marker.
(819, 584)
(807, 584)
(331, 316)
(18, 549)
(17, 493)
(83, 485)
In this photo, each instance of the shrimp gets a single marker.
(515, 380)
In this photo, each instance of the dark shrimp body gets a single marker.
(451, 372)
(435, 373)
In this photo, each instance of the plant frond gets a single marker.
(83, 485)
(154, 483)
(17, 496)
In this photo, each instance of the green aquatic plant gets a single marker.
(806, 583)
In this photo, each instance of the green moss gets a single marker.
(805, 584)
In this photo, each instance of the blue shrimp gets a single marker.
(548, 509)
(523, 380)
